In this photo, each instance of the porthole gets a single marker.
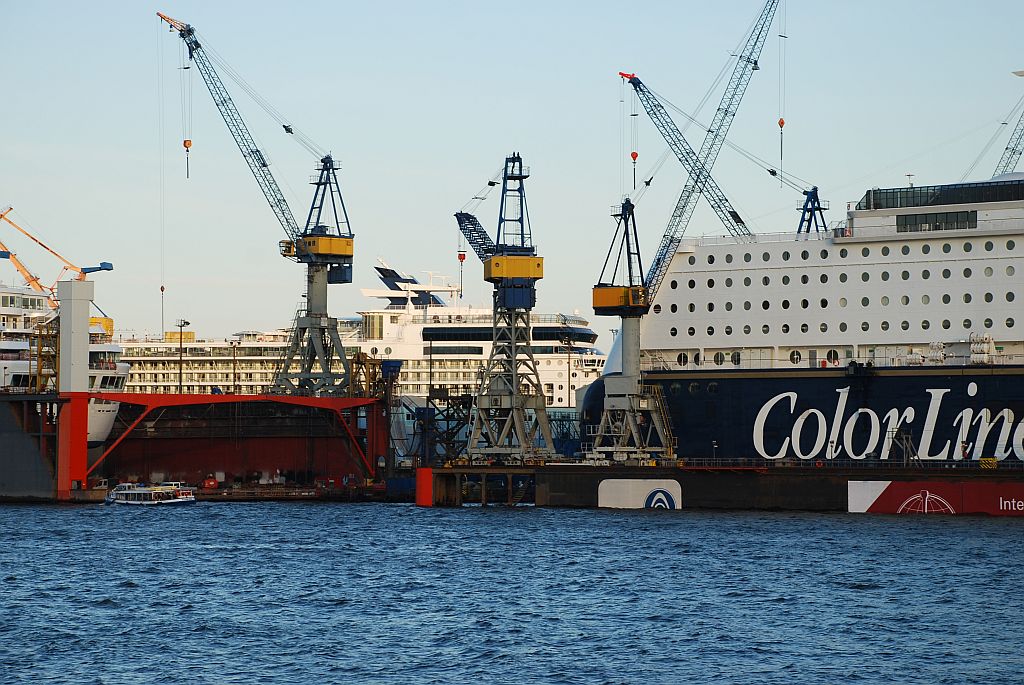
(694, 387)
(904, 300)
(696, 358)
(946, 247)
(711, 259)
(746, 306)
(719, 360)
(804, 254)
(673, 308)
(785, 304)
(842, 301)
(675, 388)
(988, 323)
(673, 332)
(804, 328)
(728, 330)
(691, 307)
(967, 323)
(885, 275)
(905, 275)
(373, 351)
(673, 285)
(926, 274)
(765, 256)
(1010, 271)
(926, 248)
(711, 330)
(804, 304)
(794, 357)
(967, 273)
(864, 325)
(728, 283)
(946, 324)
(691, 284)
(885, 250)
(387, 350)
(865, 252)
(946, 273)
(765, 329)
(765, 305)
(1010, 297)
(657, 308)
(925, 299)
(967, 298)
(945, 299)
(728, 259)
(842, 277)
(1009, 323)
(691, 331)
(804, 279)
(925, 325)
(989, 246)
(746, 330)
(905, 325)
(824, 254)
(692, 260)
(885, 325)
(711, 283)
(785, 280)
(712, 388)
(785, 328)
(832, 356)
(765, 280)
(735, 358)
(746, 257)
(785, 256)
(746, 281)
(988, 270)
(842, 326)
(728, 306)
(885, 300)
(905, 249)
(968, 247)
(711, 306)
(865, 276)
(681, 359)
(1010, 244)
(864, 301)
(823, 303)
(823, 278)
(823, 327)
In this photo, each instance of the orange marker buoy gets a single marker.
(634, 155)
(187, 143)
(782, 122)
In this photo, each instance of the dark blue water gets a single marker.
(311, 593)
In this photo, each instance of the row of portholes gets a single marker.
(694, 388)
(823, 327)
(823, 302)
(843, 277)
(926, 248)
(719, 358)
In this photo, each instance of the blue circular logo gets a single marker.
(660, 499)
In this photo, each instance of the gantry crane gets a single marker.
(315, 361)
(634, 422)
(698, 165)
(1014, 148)
(510, 420)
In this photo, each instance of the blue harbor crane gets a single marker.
(315, 362)
(509, 415)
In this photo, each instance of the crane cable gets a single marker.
(782, 79)
(162, 222)
(185, 86)
(1005, 122)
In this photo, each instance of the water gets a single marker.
(311, 593)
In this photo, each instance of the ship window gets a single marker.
(925, 274)
(945, 299)
(804, 254)
(785, 280)
(728, 330)
(988, 323)
(746, 330)
(728, 259)
(785, 328)
(823, 278)
(904, 300)
(925, 299)
(864, 325)
(865, 252)
(946, 273)
(967, 273)
(823, 303)
(885, 300)
(989, 246)
(926, 248)
(1009, 323)
(967, 298)
(711, 283)
(691, 307)
(673, 285)
(683, 359)
(804, 279)
(925, 324)
(905, 275)
(945, 323)
(842, 326)
(746, 281)
(988, 271)
(728, 283)
(785, 304)
(694, 387)
(1009, 297)
(803, 328)
(765, 329)
(905, 249)
(711, 259)
(693, 260)
(1010, 244)
(746, 306)
(885, 275)
(843, 252)
(905, 325)
(865, 276)
(765, 257)
(885, 325)
(864, 301)
(794, 357)
(823, 327)
(673, 331)
(832, 356)
(785, 256)
(842, 277)
(765, 305)
(691, 284)
(842, 301)
(711, 330)
(885, 251)
(824, 254)
(804, 304)
(657, 308)
(765, 280)
(728, 306)
(672, 308)
(967, 323)
(946, 247)
(711, 306)
(968, 247)
(719, 360)
(689, 331)
(746, 257)
(1010, 271)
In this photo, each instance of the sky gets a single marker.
(421, 102)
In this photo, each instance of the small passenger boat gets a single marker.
(137, 493)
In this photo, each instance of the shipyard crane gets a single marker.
(509, 416)
(701, 163)
(315, 361)
(634, 422)
(1014, 148)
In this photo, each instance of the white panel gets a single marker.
(639, 493)
(861, 494)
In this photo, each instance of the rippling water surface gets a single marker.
(308, 593)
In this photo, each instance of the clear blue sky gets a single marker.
(421, 101)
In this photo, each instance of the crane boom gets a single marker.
(746, 65)
(256, 160)
(1014, 148)
(475, 235)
